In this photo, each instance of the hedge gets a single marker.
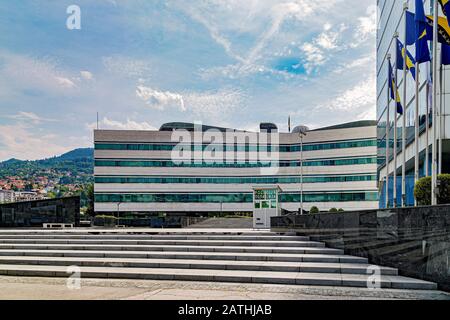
(422, 190)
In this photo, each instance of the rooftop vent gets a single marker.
(268, 127)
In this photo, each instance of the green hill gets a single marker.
(74, 167)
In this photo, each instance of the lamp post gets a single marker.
(301, 130)
(118, 212)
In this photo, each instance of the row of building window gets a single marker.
(165, 163)
(231, 198)
(234, 180)
(240, 148)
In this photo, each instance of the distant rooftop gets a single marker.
(171, 126)
(348, 125)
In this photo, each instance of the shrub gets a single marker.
(422, 190)
(341, 210)
(314, 210)
(333, 210)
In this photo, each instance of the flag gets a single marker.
(429, 86)
(410, 28)
(422, 36)
(445, 4)
(410, 62)
(443, 29)
(445, 54)
(393, 90)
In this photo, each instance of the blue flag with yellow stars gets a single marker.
(422, 36)
(410, 62)
(445, 4)
(445, 54)
(393, 90)
(410, 28)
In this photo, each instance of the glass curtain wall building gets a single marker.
(392, 20)
(135, 171)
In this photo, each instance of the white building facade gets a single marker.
(135, 171)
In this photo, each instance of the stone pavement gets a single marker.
(38, 288)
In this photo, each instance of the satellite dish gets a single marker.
(300, 129)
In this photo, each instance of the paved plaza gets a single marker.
(40, 288)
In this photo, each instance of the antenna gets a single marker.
(97, 120)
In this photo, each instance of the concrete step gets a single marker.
(315, 267)
(139, 231)
(248, 249)
(213, 243)
(292, 278)
(155, 237)
(228, 256)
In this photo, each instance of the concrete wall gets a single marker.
(35, 213)
(414, 240)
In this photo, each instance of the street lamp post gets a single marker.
(118, 212)
(301, 130)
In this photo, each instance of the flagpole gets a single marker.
(405, 72)
(416, 131)
(440, 118)
(388, 140)
(434, 104)
(395, 126)
(427, 125)
(394, 190)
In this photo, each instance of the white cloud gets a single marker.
(20, 142)
(215, 104)
(160, 99)
(128, 67)
(29, 117)
(22, 72)
(106, 123)
(65, 83)
(359, 98)
(86, 75)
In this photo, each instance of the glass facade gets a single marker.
(239, 148)
(234, 180)
(248, 164)
(392, 20)
(232, 197)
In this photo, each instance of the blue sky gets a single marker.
(141, 63)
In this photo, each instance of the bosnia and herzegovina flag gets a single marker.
(393, 90)
(445, 4)
(422, 36)
(410, 62)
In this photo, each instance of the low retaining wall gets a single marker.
(416, 241)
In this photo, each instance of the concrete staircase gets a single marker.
(224, 223)
(241, 256)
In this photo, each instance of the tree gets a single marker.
(89, 192)
(333, 210)
(422, 190)
(341, 210)
(314, 210)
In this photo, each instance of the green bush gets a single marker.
(333, 210)
(341, 210)
(314, 210)
(422, 190)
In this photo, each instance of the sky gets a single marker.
(142, 63)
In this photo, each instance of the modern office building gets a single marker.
(138, 172)
(392, 20)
